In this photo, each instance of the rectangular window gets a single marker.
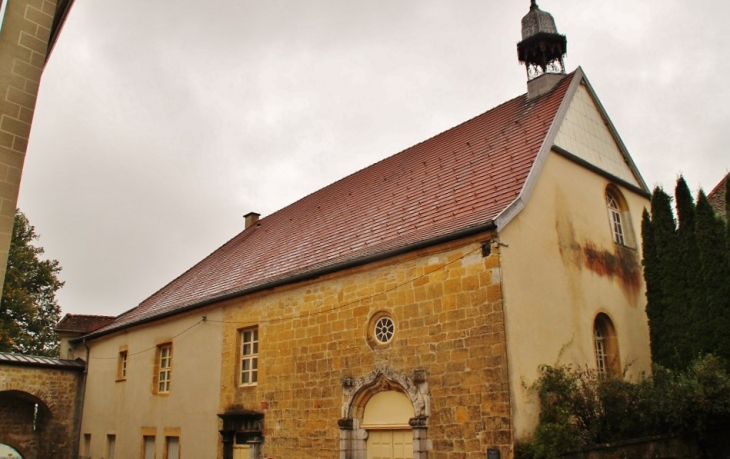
(172, 448)
(249, 356)
(111, 443)
(149, 447)
(122, 366)
(87, 446)
(164, 368)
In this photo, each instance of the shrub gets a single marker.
(579, 408)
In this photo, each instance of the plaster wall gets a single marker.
(130, 408)
(314, 348)
(561, 268)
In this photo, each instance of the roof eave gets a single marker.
(301, 277)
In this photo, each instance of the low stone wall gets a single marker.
(642, 448)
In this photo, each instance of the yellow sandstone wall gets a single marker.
(561, 269)
(447, 306)
(23, 43)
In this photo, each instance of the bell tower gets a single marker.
(541, 50)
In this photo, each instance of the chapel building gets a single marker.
(402, 311)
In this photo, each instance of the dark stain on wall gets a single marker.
(622, 264)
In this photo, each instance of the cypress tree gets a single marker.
(715, 272)
(687, 272)
(689, 279)
(660, 273)
(654, 311)
(727, 216)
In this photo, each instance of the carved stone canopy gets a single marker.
(357, 391)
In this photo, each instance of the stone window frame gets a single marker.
(163, 368)
(169, 440)
(87, 445)
(373, 332)
(619, 218)
(605, 344)
(111, 445)
(149, 442)
(122, 364)
(248, 357)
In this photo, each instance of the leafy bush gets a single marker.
(579, 408)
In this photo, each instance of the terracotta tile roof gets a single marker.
(37, 361)
(717, 198)
(81, 323)
(459, 179)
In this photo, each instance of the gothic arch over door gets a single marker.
(385, 416)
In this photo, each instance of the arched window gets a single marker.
(619, 218)
(606, 346)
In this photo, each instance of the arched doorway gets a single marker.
(385, 416)
(8, 452)
(386, 420)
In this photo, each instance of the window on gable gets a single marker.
(163, 368)
(249, 368)
(606, 346)
(619, 218)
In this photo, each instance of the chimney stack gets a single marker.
(251, 219)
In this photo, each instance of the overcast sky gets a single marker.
(160, 123)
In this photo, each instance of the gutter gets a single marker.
(490, 225)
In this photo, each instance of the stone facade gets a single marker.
(319, 365)
(24, 38)
(40, 410)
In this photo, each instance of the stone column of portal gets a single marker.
(345, 438)
(421, 443)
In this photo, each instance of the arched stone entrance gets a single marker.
(39, 402)
(25, 419)
(385, 409)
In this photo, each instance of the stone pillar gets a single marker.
(421, 443)
(359, 444)
(345, 426)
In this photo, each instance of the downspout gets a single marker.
(80, 402)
